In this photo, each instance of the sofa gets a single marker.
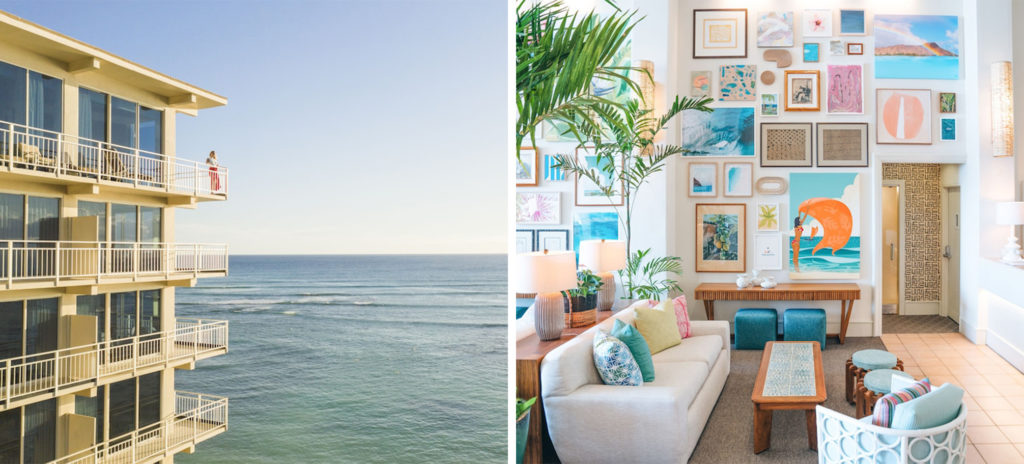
(659, 422)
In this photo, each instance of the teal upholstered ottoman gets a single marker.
(755, 327)
(804, 325)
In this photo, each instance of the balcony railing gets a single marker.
(91, 161)
(72, 369)
(196, 418)
(71, 260)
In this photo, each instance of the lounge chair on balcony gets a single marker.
(113, 168)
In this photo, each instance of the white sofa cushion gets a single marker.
(703, 348)
(686, 377)
(524, 325)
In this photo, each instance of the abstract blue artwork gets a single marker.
(722, 132)
(811, 52)
(917, 47)
(588, 226)
(738, 82)
(851, 22)
(550, 171)
(947, 129)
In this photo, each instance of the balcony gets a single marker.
(89, 166)
(32, 378)
(48, 264)
(196, 418)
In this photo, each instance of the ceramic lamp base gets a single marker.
(1011, 252)
(549, 315)
(606, 295)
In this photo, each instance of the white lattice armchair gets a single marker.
(843, 439)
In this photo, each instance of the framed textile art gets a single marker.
(721, 237)
(786, 144)
(720, 33)
(842, 144)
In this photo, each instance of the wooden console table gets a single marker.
(844, 293)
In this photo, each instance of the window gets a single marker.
(122, 407)
(94, 305)
(11, 318)
(41, 326)
(40, 432)
(123, 222)
(122, 315)
(149, 313)
(12, 94)
(10, 434)
(91, 208)
(92, 115)
(149, 399)
(151, 126)
(123, 122)
(12, 216)
(43, 218)
(92, 407)
(149, 224)
(44, 102)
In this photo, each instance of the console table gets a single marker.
(844, 293)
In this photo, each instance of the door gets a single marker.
(952, 253)
(890, 249)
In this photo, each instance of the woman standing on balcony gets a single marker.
(211, 161)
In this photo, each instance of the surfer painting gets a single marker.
(825, 243)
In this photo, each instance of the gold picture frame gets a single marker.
(721, 237)
(803, 90)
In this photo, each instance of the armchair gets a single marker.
(843, 439)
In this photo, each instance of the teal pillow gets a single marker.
(614, 362)
(938, 407)
(637, 346)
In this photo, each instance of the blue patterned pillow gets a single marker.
(615, 362)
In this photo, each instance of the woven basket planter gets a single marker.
(580, 311)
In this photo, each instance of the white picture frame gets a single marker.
(553, 240)
(768, 252)
(738, 179)
(764, 208)
(703, 179)
(524, 241)
(817, 23)
(538, 208)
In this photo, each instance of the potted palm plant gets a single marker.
(581, 302)
(522, 425)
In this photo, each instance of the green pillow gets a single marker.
(638, 346)
(658, 327)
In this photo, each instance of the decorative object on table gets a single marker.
(767, 78)
(775, 29)
(836, 48)
(1010, 213)
(947, 102)
(767, 217)
(737, 82)
(782, 58)
(721, 237)
(825, 233)
(643, 279)
(904, 116)
(854, 48)
(947, 129)
(522, 425)
(768, 252)
(803, 90)
(526, 167)
(1002, 108)
(593, 190)
(738, 179)
(720, 33)
(590, 226)
(817, 23)
(769, 281)
(703, 179)
(769, 103)
(602, 257)
(614, 362)
(700, 84)
(552, 172)
(755, 327)
(580, 307)
(786, 144)
(546, 274)
(755, 277)
(842, 144)
(742, 281)
(771, 185)
(722, 132)
(917, 47)
(552, 239)
(851, 22)
(524, 241)
(538, 208)
(811, 52)
(845, 89)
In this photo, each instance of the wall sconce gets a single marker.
(646, 83)
(1002, 108)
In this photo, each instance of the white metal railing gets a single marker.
(87, 160)
(66, 368)
(64, 260)
(197, 417)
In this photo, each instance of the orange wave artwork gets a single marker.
(835, 219)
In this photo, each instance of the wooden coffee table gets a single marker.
(790, 377)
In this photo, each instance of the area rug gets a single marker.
(729, 434)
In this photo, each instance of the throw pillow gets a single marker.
(682, 317)
(658, 327)
(886, 405)
(938, 407)
(637, 347)
(614, 362)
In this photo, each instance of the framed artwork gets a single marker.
(551, 172)
(555, 131)
(854, 48)
(769, 104)
(524, 241)
(947, 129)
(775, 29)
(737, 82)
(825, 235)
(615, 89)
(526, 167)
(590, 194)
(700, 84)
(538, 208)
(811, 52)
(722, 132)
(552, 239)
(703, 180)
(851, 22)
(845, 94)
(720, 33)
(842, 144)
(771, 185)
(817, 23)
(903, 116)
(786, 144)
(721, 237)
(738, 179)
(835, 48)
(768, 252)
(947, 102)
(589, 226)
(767, 217)
(917, 47)
(803, 90)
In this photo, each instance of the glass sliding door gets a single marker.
(94, 305)
(149, 399)
(42, 230)
(93, 407)
(99, 210)
(92, 129)
(41, 326)
(122, 407)
(149, 320)
(150, 233)
(152, 172)
(124, 230)
(41, 432)
(123, 133)
(44, 103)
(12, 228)
(10, 435)
(123, 317)
(12, 95)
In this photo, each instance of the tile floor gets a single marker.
(994, 389)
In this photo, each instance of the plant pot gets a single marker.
(580, 311)
(522, 431)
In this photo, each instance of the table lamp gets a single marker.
(602, 257)
(1011, 213)
(547, 273)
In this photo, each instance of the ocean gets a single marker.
(917, 67)
(846, 260)
(337, 359)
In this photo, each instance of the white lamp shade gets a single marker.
(1010, 213)
(545, 272)
(603, 255)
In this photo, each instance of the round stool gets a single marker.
(873, 386)
(865, 361)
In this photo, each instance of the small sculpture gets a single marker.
(767, 78)
(769, 282)
(782, 58)
(742, 281)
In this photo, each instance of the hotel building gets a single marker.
(89, 183)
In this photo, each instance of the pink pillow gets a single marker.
(682, 316)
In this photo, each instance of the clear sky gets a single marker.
(351, 126)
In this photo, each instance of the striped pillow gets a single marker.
(886, 405)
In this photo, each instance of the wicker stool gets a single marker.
(865, 361)
(873, 386)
